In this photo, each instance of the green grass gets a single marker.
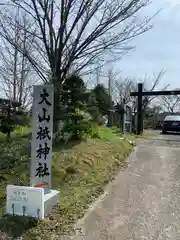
(110, 134)
(80, 170)
(17, 133)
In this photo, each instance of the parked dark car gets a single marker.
(171, 123)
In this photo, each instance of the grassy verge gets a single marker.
(80, 170)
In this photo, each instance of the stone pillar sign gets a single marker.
(42, 134)
(37, 200)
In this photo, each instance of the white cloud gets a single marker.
(169, 10)
(172, 3)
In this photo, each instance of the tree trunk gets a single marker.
(56, 81)
(8, 135)
(56, 111)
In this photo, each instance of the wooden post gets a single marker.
(124, 117)
(109, 124)
(139, 109)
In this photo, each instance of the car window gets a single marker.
(172, 118)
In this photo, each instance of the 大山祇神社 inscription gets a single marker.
(41, 150)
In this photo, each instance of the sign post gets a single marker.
(37, 200)
(42, 134)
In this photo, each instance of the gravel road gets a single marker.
(143, 202)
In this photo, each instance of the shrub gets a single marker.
(11, 155)
(7, 126)
(21, 118)
(81, 128)
(21, 131)
(79, 131)
(10, 120)
(95, 131)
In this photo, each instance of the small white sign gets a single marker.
(42, 134)
(25, 201)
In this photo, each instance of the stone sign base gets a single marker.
(50, 200)
(30, 201)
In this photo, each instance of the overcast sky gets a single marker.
(159, 48)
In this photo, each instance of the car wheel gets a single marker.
(164, 132)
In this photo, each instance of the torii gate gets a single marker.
(139, 94)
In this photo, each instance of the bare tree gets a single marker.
(70, 35)
(122, 89)
(170, 103)
(155, 82)
(16, 73)
(124, 86)
(76, 32)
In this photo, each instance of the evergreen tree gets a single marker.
(74, 99)
(104, 101)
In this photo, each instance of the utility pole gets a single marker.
(110, 98)
(98, 72)
(140, 110)
(109, 88)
